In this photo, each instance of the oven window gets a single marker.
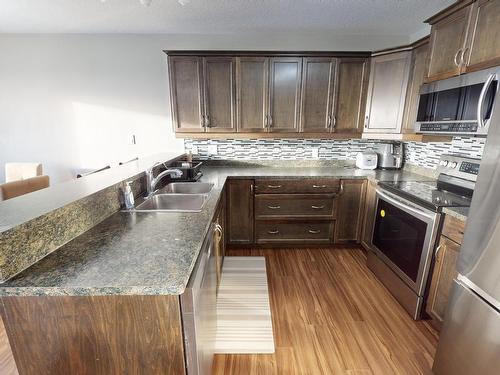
(400, 236)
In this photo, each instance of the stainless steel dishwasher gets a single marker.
(199, 311)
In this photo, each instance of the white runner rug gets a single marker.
(243, 311)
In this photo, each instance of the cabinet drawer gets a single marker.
(453, 228)
(308, 185)
(296, 232)
(275, 206)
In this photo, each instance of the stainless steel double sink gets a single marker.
(177, 197)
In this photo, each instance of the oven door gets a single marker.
(404, 236)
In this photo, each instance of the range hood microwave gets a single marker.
(459, 106)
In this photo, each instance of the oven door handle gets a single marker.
(406, 207)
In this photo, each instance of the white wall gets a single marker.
(72, 101)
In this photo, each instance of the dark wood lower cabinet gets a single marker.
(294, 232)
(369, 214)
(240, 218)
(101, 335)
(351, 205)
(442, 280)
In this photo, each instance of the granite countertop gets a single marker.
(147, 253)
(460, 213)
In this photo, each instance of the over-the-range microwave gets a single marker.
(460, 105)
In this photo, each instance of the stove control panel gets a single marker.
(459, 166)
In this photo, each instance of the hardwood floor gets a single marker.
(7, 364)
(332, 316)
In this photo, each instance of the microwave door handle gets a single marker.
(409, 208)
(482, 97)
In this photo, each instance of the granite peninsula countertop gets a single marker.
(459, 213)
(148, 253)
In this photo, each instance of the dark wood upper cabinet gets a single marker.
(483, 46)
(284, 94)
(352, 84)
(389, 74)
(465, 37)
(448, 37)
(240, 209)
(186, 93)
(350, 206)
(219, 94)
(419, 63)
(318, 94)
(252, 78)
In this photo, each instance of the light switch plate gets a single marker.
(194, 150)
(212, 149)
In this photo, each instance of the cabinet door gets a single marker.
(284, 94)
(252, 83)
(483, 49)
(442, 278)
(387, 92)
(318, 95)
(240, 221)
(419, 61)
(351, 204)
(351, 95)
(186, 93)
(448, 38)
(219, 99)
(369, 214)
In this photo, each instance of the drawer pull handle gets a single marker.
(312, 231)
(273, 186)
(274, 207)
(319, 186)
(273, 231)
(317, 207)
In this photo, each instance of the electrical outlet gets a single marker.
(212, 149)
(315, 153)
(131, 139)
(194, 150)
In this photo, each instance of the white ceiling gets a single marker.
(347, 17)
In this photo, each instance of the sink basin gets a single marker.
(187, 188)
(173, 203)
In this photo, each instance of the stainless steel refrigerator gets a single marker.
(470, 338)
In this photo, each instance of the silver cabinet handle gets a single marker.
(273, 231)
(366, 122)
(334, 122)
(482, 96)
(319, 186)
(341, 191)
(207, 121)
(438, 249)
(218, 229)
(274, 207)
(270, 121)
(273, 186)
(317, 207)
(266, 121)
(314, 231)
(462, 55)
(328, 122)
(455, 58)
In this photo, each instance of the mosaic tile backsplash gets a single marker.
(421, 154)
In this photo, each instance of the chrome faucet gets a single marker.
(152, 181)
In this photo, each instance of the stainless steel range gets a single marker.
(408, 217)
